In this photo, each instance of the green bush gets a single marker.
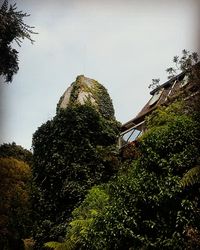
(83, 218)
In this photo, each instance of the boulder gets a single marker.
(86, 91)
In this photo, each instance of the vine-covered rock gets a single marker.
(71, 153)
(87, 91)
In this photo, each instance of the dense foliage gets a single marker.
(12, 28)
(15, 210)
(16, 151)
(72, 152)
(83, 217)
(104, 101)
(146, 206)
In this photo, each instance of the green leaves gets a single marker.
(15, 151)
(12, 28)
(191, 177)
(71, 154)
(147, 207)
(15, 204)
(171, 141)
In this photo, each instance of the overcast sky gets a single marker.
(122, 44)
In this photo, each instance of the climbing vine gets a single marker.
(96, 96)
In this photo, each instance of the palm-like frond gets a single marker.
(67, 245)
(191, 177)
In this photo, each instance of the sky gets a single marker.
(121, 44)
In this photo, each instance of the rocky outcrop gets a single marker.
(86, 91)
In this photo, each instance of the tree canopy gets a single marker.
(15, 151)
(12, 29)
(15, 208)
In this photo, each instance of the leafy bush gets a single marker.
(83, 218)
(172, 141)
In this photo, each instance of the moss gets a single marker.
(74, 94)
(59, 103)
(96, 91)
(103, 100)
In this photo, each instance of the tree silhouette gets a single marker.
(12, 29)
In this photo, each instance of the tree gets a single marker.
(15, 207)
(12, 28)
(16, 151)
(187, 63)
(72, 152)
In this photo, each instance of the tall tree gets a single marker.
(15, 206)
(12, 29)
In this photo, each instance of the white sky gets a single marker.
(122, 44)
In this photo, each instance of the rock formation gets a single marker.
(86, 91)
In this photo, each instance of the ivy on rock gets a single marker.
(70, 156)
